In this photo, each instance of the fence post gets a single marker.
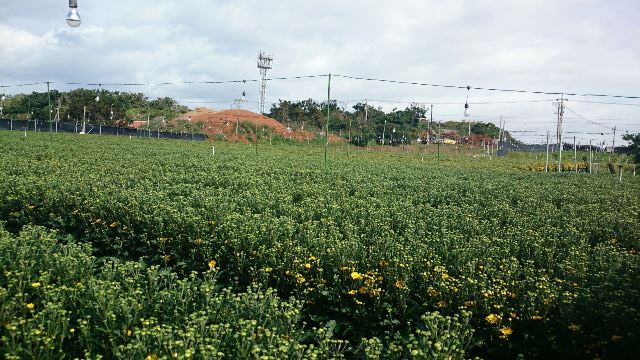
(620, 172)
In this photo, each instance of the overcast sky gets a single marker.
(581, 46)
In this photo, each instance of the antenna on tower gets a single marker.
(264, 64)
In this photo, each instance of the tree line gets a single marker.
(102, 106)
(367, 123)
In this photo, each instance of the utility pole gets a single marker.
(590, 158)
(366, 110)
(328, 114)
(49, 108)
(499, 134)
(84, 120)
(560, 113)
(57, 117)
(503, 135)
(575, 154)
(613, 146)
(430, 123)
(438, 140)
(546, 162)
(384, 129)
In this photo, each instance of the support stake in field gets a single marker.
(546, 162)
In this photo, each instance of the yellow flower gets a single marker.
(345, 268)
(300, 279)
(129, 332)
(212, 264)
(30, 306)
(72, 330)
(359, 302)
(267, 269)
(198, 241)
(307, 266)
(312, 258)
(506, 331)
(383, 263)
(363, 290)
(492, 318)
(374, 292)
(400, 284)
(113, 224)
(166, 258)
(445, 276)
(151, 357)
(356, 275)
(442, 304)
(536, 317)
(36, 285)
(352, 292)
(573, 327)
(469, 303)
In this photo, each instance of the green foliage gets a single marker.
(59, 301)
(369, 247)
(634, 147)
(126, 107)
(370, 125)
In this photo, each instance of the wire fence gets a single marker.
(95, 129)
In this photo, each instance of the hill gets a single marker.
(240, 125)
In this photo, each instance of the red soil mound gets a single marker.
(226, 122)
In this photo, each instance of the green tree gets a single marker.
(634, 147)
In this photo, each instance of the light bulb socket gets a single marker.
(73, 4)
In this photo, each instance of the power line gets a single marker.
(448, 103)
(483, 88)
(167, 82)
(348, 77)
(585, 119)
(604, 102)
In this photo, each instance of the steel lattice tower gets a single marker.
(264, 64)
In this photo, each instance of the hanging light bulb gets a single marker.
(73, 18)
(97, 98)
(244, 91)
(466, 103)
(98, 93)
